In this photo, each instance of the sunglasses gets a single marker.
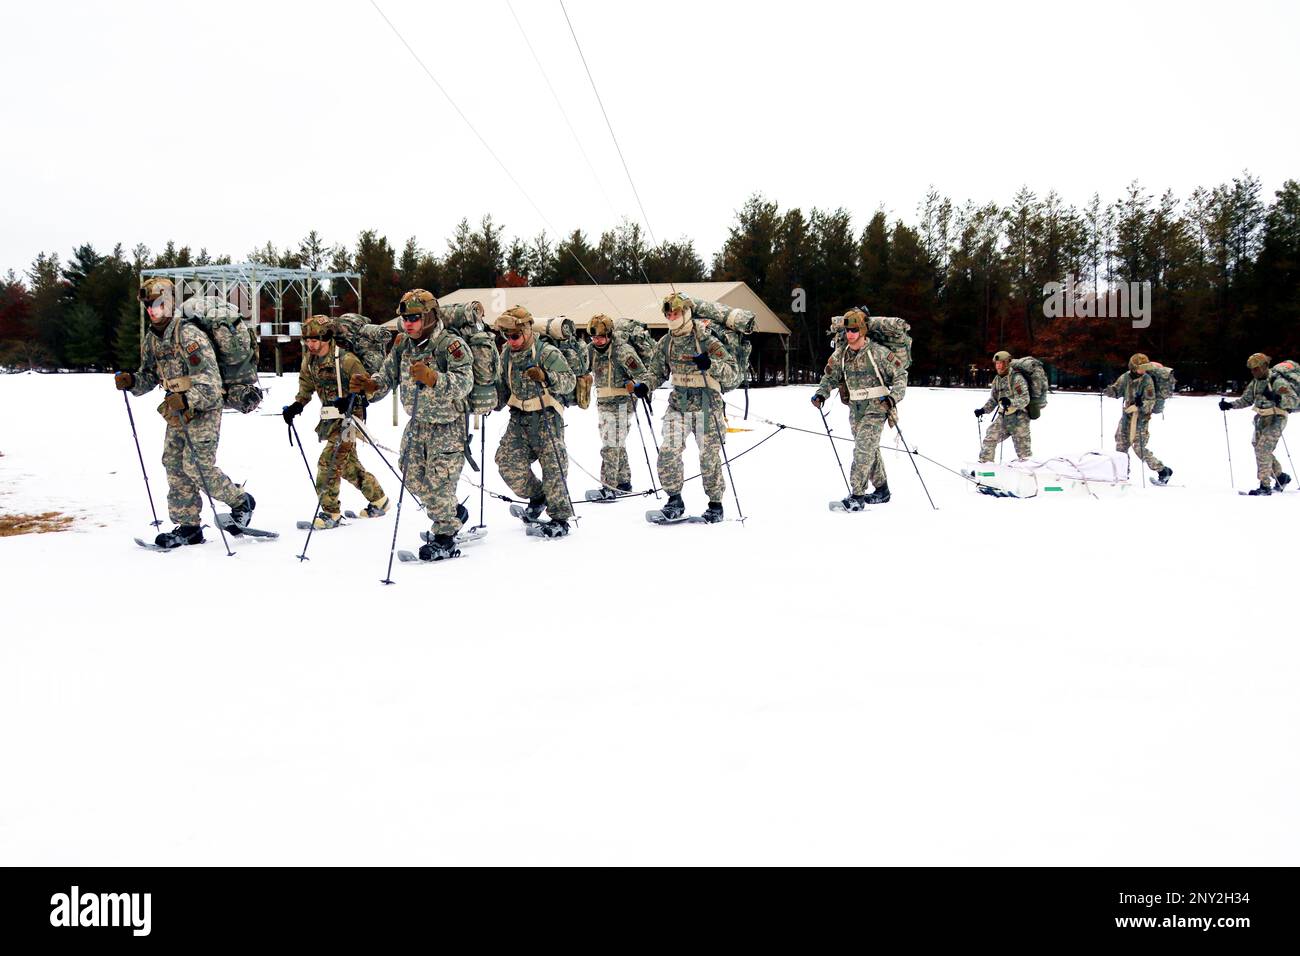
(312, 338)
(514, 336)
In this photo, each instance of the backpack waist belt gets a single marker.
(329, 413)
(695, 380)
(535, 404)
(603, 391)
(181, 384)
(862, 394)
(1272, 411)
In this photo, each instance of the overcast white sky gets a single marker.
(227, 124)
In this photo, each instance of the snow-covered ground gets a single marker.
(1067, 681)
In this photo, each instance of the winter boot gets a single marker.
(240, 513)
(1282, 481)
(180, 536)
(713, 513)
(376, 509)
(534, 509)
(674, 507)
(442, 546)
(1162, 476)
(854, 502)
(1263, 489)
(608, 494)
(326, 520)
(625, 486)
(556, 528)
(879, 496)
(462, 514)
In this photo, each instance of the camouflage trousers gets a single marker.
(1015, 427)
(706, 429)
(868, 464)
(1268, 432)
(433, 455)
(184, 480)
(614, 425)
(536, 437)
(333, 467)
(1124, 440)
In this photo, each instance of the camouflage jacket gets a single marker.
(855, 369)
(322, 376)
(444, 351)
(1254, 395)
(517, 391)
(181, 359)
(672, 359)
(1139, 390)
(612, 368)
(1012, 386)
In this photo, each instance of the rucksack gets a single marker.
(466, 320)
(1290, 372)
(560, 333)
(367, 341)
(235, 344)
(731, 327)
(891, 332)
(1163, 379)
(1036, 375)
(633, 333)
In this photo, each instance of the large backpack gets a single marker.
(633, 333)
(367, 341)
(560, 333)
(1036, 375)
(466, 320)
(235, 344)
(731, 327)
(891, 332)
(1163, 378)
(1289, 371)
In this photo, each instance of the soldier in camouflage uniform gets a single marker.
(613, 365)
(1010, 394)
(325, 369)
(434, 372)
(1274, 398)
(181, 358)
(700, 369)
(1138, 390)
(877, 382)
(532, 373)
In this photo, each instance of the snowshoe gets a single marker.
(1282, 481)
(1263, 489)
(673, 508)
(442, 547)
(555, 528)
(852, 503)
(180, 536)
(375, 509)
(240, 513)
(326, 520)
(1162, 476)
(713, 513)
(878, 497)
(602, 494)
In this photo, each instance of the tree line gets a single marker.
(1223, 267)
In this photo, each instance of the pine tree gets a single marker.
(126, 342)
(85, 337)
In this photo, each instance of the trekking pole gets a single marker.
(831, 439)
(644, 450)
(203, 480)
(1231, 477)
(334, 457)
(371, 442)
(1288, 455)
(912, 455)
(650, 423)
(1142, 452)
(144, 471)
(1101, 412)
(722, 444)
(293, 436)
(555, 450)
(397, 519)
(482, 453)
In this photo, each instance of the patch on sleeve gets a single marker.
(192, 348)
(715, 350)
(633, 364)
(1020, 389)
(194, 360)
(456, 352)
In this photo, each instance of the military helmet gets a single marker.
(676, 302)
(417, 302)
(600, 325)
(154, 288)
(1137, 360)
(1003, 356)
(855, 320)
(1258, 360)
(516, 319)
(318, 327)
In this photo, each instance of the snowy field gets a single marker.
(1047, 681)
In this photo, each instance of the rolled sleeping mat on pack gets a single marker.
(559, 328)
(461, 315)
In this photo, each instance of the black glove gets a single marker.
(1273, 396)
(1005, 403)
(341, 403)
(292, 411)
(1225, 405)
(979, 412)
(818, 401)
(641, 390)
(702, 361)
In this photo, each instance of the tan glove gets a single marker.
(1130, 409)
(536, 373)
(424, 374)
(176, 410)
(124, 381)
(361, 382)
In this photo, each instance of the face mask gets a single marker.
(676, 325)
